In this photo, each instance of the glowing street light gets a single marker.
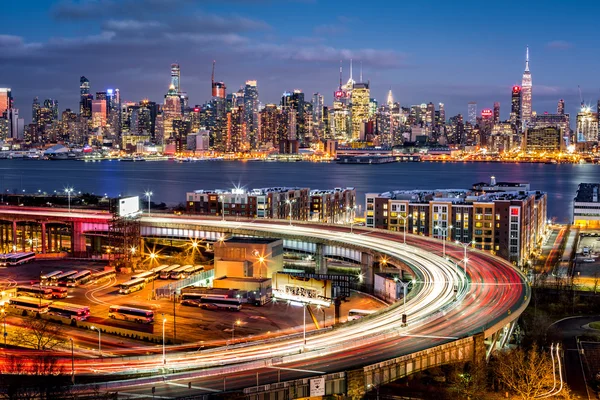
(163, 332)
(465, 246)
(405, 219)
(238, 323)
(148, 194)
(99, 339)
(69, 191)
(289, 203)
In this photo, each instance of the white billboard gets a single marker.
(129, 206)
(317, 387)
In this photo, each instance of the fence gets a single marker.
(202, 278)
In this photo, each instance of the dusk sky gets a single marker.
(439, 51)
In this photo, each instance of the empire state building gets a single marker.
(526, 94)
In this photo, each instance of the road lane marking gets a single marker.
(299, 370)
(193, 387)
(143, 396)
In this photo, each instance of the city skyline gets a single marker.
(110, 38)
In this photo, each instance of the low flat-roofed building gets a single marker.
(586, 206)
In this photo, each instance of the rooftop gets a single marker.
(587, 193)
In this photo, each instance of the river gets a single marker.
(169, 180)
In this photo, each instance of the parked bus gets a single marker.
(71, 311)
(34, 291)
(80, 278)
(12, 259)
(59, 292)
(166, 273)
(46, 279)
(131, 314)
(220, 302)
(148, 276)
(29, 304)
(58, 279)
(357, 314)
(194, 269)
(158, 269)
(102, 275)
(132, 285)
(178, 273)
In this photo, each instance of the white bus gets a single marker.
(178, 273)
(166, 273)
(29, 304)
(357, 314)
(158, 269)
(132, 285)
(80, 278)
(220, 302)
(102, 275)
(62, 278)
(46, 279)
(34, 291)
(12, 259)
(131, 314)
(191, 270)
(148, 276)
(71, 311)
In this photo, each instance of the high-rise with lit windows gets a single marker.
(526, 95)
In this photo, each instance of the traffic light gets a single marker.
(189, 385)
(403, 319)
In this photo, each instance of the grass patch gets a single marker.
(595, 325)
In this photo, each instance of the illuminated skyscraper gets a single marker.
(218, 88)
(251, 112)
(526, 94)
(175, 77)
(99, 113)
(317, 115)
(587, 125)
(472, 113)
(171, 112)
(430, 114)
(6, 100)
(359, 109)
(496, 112)
(34, 107)
(515, 107)
(85, 98)
(268, 126)
(560, 109)
(442, 114)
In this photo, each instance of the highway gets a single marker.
(491, 291)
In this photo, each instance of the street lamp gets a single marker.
(3, 311)
(164, 352)
(465, 246)
(222, 198)
(69, 191)
(405, 219)
(148, 194)
(445, 237)
(238, 322)
(289, 203)
(351, 210)
(99, 339)
(404, 286)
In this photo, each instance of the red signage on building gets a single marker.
(487, 113)
(516, 89)
(339, 94)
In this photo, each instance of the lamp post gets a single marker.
(289, 203)
(351, 210)
(222, 198)
(404, 286)
(72, 362)
(148, 194)
(465, 246)
(238, 322)
(164, 351)
(304, 335)
(69, 191)
(99, 339)
(444, 238)
(405, 219)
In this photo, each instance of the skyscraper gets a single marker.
(317, 115)
(472, 113)
(171, 112)
(6, 100)
(175, 76)
(442, 114)
(526, 94)
(359, 109)
(217, 120)
(218, 88)
(560, 109)
(52, 104)
(515, 107)
(496, 112)
(98, 113)
(85, 98)
(587, 125)
(34, 107)
(251, 112)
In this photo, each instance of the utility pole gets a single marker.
(174, 323)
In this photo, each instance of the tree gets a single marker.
(527, 374)
(468, 381)
(40, 334)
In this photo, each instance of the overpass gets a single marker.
(443, 325)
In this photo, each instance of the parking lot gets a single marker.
(191, 324)
(587, 260)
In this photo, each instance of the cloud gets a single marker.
(130, 25)
(96, 9)
(559, 45)
(336, 28)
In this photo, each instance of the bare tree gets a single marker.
(40, 334)
(468, 381)
(528, 374)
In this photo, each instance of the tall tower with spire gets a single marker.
(526, 94)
